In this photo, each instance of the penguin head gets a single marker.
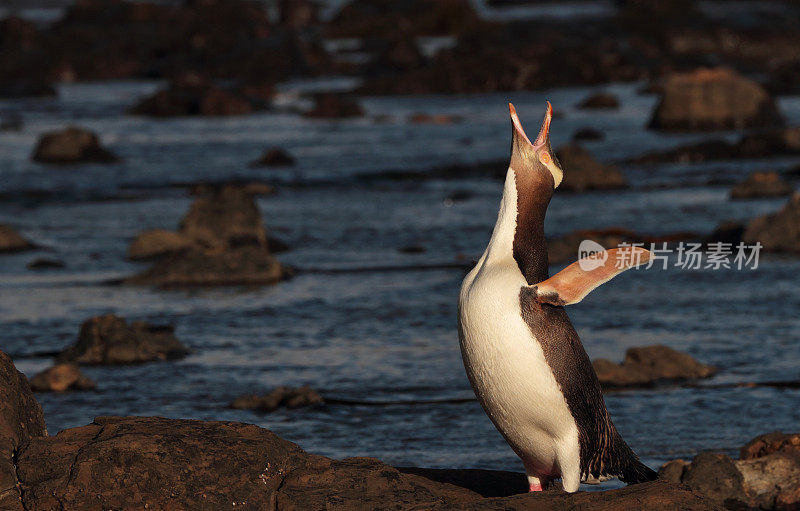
(534, 162)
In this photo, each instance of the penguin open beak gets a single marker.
(544, 131)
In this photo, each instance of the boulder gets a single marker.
(334, 106)
(11, 241)
(761, 184)
(600, 100)
(764, 445)
(192, 95)
(582, 172)
(155, 243)
(713, 99)
(71, 145)
(224, 217)
(21, 419)
(280, 397)
(60, 378)
(647, 365)
(111, 340)
(275, 157)
(779, 231)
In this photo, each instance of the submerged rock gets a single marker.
(779, 231)
(582, 172)
(275, 157)
(649, 364)
(288, 397)
(12, 241)
(600, 100)
(111, 340)
(71, 145)
(21, 419)
(60, 378)
(713, 99)
(761, 184)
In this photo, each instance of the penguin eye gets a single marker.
(545, 158)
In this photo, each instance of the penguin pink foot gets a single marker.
(534, 487)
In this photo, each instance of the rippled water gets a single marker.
(381, 335)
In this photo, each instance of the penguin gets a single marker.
(521, 353)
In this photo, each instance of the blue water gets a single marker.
(381, 335)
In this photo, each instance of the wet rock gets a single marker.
(156, 243)
(60, 378)
(111, 340)
(601, 100)
(764, 445)
(334, 106)
(587, 134)
(192, 95)
(44, 263)
(21, 419)
(422, 118)
(71, 145)
(582, 172)
(275, 157)
(649, 364)
(673, 471)
(779, 231)
(288, 397)
(11, 241)
(761, 184)
(765, 144)
(713, 99)
(716, 477)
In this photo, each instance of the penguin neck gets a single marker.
(518, 235)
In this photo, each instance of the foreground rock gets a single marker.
(221, 241)
(713, 99)
(761, 184)
(71, 145)
(779, 231)
(60, 378)
(280, 397)
(582, 172)
(649, 364)
(21, 419)
(565, 248)
(766, 475)
(110, 339)
(11, 241)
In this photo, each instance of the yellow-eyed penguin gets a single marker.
(522, 355)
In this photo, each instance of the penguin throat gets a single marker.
(530, 246)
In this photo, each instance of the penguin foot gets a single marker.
(534, 487)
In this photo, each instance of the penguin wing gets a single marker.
(573, 283)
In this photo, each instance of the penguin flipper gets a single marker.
(573, 283)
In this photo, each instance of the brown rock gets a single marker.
(761, 184)
(11, 241)
(772, 482)
(156, 243)
(192, 95)
(713, 99)
(21, 419)
(275, 157)
(769, 443)
(334, 106)
(60, 378)
(110, 339)
(582, 172)
(72, 145)
(282, 396)
(673, 471)
(601, 100)
(648, 364)
(224, 217)
(779, 231)
(716, 477)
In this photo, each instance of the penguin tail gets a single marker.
(637, 472)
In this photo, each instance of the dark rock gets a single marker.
(193, 95)
(412, 249)
(282, 396)
(277, 245)
(779, 231)
(155, 243)
(673, 471)
(110, 339)
(582, 172)
(275, 157)
(601, 100)
(713, 99)
(764, 445)
(44, 263)
(587, 134)
(72, 145)
(60, 378)
(761, 184)
(21, 419)
(11, 241)
(334, 106)
(649, 364)
(716, 477)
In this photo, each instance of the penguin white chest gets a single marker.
(508, 370)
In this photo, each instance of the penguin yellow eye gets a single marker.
(545, 158)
